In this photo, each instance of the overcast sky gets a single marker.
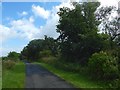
(25, 21)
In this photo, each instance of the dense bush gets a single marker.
(45, 53)
(14, 56)
(103, 66)
(8, 64)
(69, 66)
(49, 60)
(36, 47)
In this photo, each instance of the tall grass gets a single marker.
(14, 77)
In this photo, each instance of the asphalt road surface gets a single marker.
(39, 77)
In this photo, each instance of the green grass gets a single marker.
(78, 80)
(15, 77)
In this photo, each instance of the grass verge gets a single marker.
(78, 80)
(15, 77)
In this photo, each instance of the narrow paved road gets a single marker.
(39, 77)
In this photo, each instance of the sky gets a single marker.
(25, 21)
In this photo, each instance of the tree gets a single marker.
(110, 25)
(24, 54)
(78, 32)
(35, 47)
(31, 51)
(50, 44)
(13, 55)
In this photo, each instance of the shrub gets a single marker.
(9, 64)
(49, 60)
(45, 53)
(103, 66)
(69, 66)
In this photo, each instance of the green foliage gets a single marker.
(13, 56)
(39, 48)
(45, 53)
(80, 43)
(4, 58)
(49, 60)
(15, 77)
(68, 66)
(103, 66)
(77, 79)
(9, 64)
(10, 60)
(105, 41)
(79, 38)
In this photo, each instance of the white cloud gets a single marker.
(6, 32)
(25, 28)
(24, 13)
(64, 4)
(5, 50)
(22, 28)
(51, 17)
(49, 28)
(109, 3)
(31, 19)
(39, 11)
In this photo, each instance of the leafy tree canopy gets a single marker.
(78, 31)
